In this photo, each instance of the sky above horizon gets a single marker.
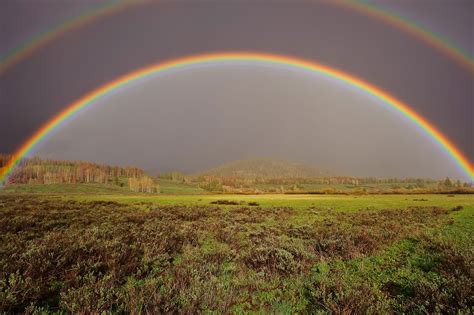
(236, 111)
(195, 119)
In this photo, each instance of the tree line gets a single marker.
(46, 171)
(322, 184)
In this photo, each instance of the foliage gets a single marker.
(36, 171)
(143, 184)
(254, 176)
(63, 255)
(39, 171)
(174, 176)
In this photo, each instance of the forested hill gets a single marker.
(264, 168)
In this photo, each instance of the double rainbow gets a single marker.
(385, 98)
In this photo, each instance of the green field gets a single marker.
(166, 187)
(89, 189)
(335, 202)
(137, 253)
(171, 187)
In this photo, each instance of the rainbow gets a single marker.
(212, 58)
(113, 6)
(435, 40)
(41, 39)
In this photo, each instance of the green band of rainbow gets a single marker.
(327, 71)
(113, 6)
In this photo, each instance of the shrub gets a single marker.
(68, 256)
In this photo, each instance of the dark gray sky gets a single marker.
(451, 20)
(197, 118)
(246, 110)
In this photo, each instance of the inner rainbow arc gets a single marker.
(461, 161)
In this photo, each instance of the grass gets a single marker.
(119, 253)
(89, 189)
(338, 187)
(430, 273)
(166, 187)
(335, 202)
(172, 187)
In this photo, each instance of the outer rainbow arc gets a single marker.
(417, 31)
(368, 88)
(43, 38)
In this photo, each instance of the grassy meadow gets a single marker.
(331, 202)
(117, 252)
(166, 187)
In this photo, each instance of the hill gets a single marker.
(265, 168)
